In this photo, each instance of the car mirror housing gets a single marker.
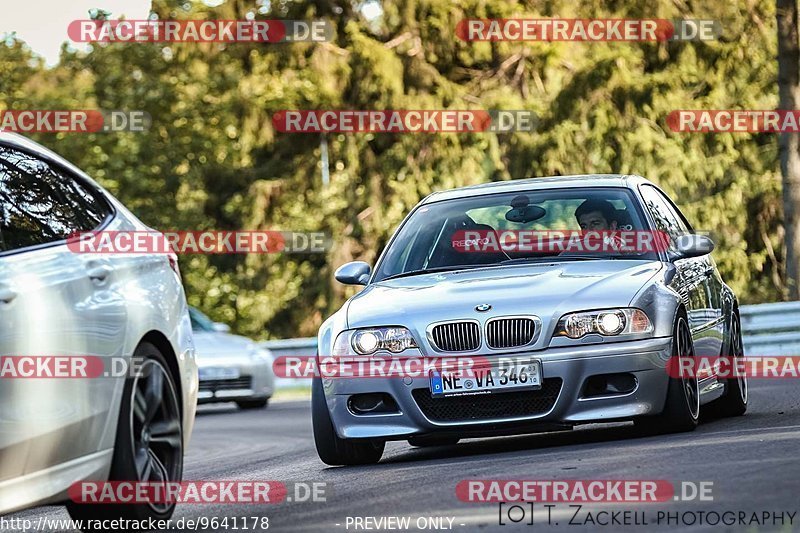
(693, 246)
(353, 273)
(221, 328)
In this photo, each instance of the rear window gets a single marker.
(41, 203)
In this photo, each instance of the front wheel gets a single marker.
(332, 449)
(149, 440)
(682, 406)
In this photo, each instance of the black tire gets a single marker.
(428, 442)
(332, 449)
(149, 441)
(682, 405)
(261, 403)
(733, 401)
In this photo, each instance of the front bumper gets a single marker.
(254, 380)
(559, 404)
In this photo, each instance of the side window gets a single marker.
(672, 208)
(665, 216)
(40, 204)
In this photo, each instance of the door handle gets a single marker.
(99, 272)
(7, 295)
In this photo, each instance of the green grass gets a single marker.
(295, 392)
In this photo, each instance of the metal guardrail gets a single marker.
(767, 329)
(303, 346)
(771, 329)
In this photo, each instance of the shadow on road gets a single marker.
(217, 409)
(500, 445)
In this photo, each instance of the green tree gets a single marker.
(213, 160)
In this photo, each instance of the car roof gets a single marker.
(14, 139)
(537, 184)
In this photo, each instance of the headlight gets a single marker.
(366, 342)
(607, 322)
(369, 341)
(260, 353)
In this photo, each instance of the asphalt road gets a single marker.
(752, 461)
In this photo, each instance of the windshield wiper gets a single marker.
(546, 259)
(608, 256)
(430, 271)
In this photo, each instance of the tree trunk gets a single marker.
(789, 95)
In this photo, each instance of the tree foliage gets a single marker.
(212, 159)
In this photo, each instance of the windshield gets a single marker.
(491, 230)
(200, 322)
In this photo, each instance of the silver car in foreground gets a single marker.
(132, 424)
(232, 368)
(570, 337)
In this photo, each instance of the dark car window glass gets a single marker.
(200, 322)
(672, 208)
(429, 238)
(665, 217)
(40, 204)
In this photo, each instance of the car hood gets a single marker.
(216, 347)
(546, 290)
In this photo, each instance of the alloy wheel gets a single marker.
(156, 428)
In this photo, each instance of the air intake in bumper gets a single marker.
(500, 406)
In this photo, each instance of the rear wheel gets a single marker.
(149, 440)
(734, 400)
(332, 449)
(682, 406)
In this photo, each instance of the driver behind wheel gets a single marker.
(596, 215)
(602, 216)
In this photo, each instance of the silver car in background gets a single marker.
(592, 333)
(232, 368)
(132, 425)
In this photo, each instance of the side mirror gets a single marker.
(353, 273)
(693, 246)
(221, 328)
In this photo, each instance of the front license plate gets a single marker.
(215, 373)
(502, 376)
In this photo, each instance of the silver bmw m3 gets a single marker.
(577, 295)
